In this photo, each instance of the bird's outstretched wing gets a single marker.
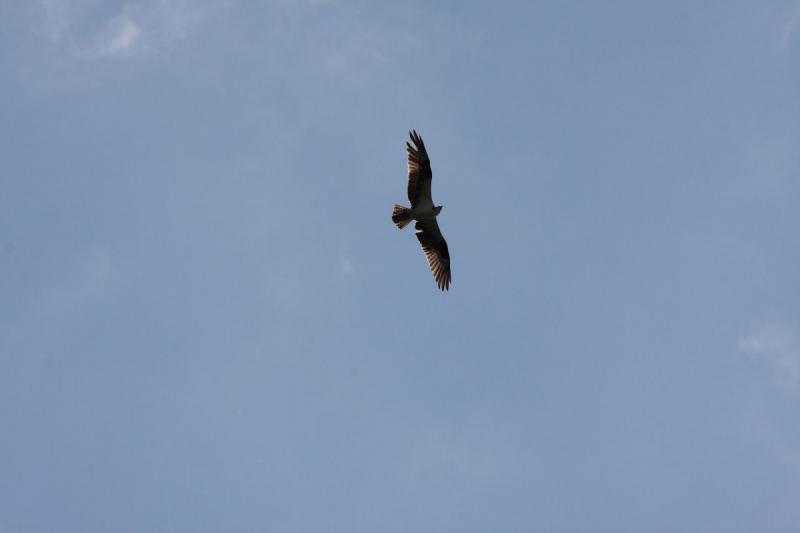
(419, 173)
(435, 248)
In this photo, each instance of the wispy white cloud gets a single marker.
(123, 38)
(345, 47)
(86, 31)
(789, 29)
(770, 413)
(777, 345)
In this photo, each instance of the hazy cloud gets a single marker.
(770, 414)
(776, 345)
(86, 32)
(123, 38)
(789, 29)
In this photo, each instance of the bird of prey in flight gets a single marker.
(424, 212)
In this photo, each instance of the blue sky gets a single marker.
(209, 323)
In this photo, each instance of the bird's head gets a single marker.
(439, 209)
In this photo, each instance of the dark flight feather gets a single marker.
(419, 172)
(435, 248)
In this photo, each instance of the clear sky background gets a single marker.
(208, 322)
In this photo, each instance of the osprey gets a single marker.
(424, 212)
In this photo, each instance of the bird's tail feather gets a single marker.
(401, 216)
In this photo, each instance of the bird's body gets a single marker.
(424, 212)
